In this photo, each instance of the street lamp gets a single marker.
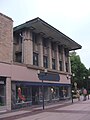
(75, 84)
(42, 75)
(72, 85)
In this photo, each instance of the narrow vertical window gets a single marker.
(35, 59)
(66, 67)
(18, 57)
(60, 65)
(53, 64)
(45, 61)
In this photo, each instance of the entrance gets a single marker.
(35, 95)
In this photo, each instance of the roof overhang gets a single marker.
(41, 27)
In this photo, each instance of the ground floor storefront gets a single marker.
(18, 94)
(30, 93)
(21, 86)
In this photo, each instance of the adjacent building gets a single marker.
(31, 55)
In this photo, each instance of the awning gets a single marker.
(41, 27)
(19, 83)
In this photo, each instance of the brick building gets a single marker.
(6, 47)
(28, 48)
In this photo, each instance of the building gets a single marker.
(6, 47)
(27, 49)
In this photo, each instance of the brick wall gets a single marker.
(6, 38)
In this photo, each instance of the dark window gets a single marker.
(2, 91)
(52, 45)
(35, 59)
(44, 42)
(34, 38)
(18, 57)
(60, 65)
(60, 49)
(66, 52)
(18, 38)
(66, 67)
(53, 63)
(35, 42)
(45, 61)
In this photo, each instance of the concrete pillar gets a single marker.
(8, 93)
(28, 48)
(57, 58)
(69, 65)
(64, 66)
(40, 45)
(49, 55)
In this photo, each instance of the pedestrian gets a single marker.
(84, 94)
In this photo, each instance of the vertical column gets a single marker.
(8, 93)
(49, 55)
(64, 66)
(57, 57)
(40, 43)
(28, 48)
(69, 65)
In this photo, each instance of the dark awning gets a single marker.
(19, 83)
(41, 27)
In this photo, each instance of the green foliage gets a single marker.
(78, 68)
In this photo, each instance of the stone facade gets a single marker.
(6, 57)
(6, 38)
(18, 68)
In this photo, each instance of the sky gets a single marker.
(71, 17)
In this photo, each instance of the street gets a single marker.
(79, 110)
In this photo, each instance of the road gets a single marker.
(79, 110)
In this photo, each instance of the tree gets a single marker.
(78, 68)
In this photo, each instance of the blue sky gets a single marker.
(72, 17)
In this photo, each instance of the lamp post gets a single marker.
(75, 84)
(72, 85)
(42, 75)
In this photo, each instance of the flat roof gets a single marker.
(6, 16)
(48, 31)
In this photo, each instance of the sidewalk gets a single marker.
(79, 110)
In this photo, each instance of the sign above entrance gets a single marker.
(49, 76)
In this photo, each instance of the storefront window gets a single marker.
(23, 94)
(46, 95)
(54, 92)
(40, 94)
(2, 93)
(64, 92)
(67, 91)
